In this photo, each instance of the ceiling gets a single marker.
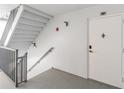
(7, 7)
(5, 10)
(52, 9)
(56, 9)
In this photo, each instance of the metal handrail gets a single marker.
(50, 50)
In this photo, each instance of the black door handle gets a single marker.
(90, 46)
(90, 51)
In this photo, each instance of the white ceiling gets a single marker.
(56, 9)
(52, 9)
(5, 10)
(7, 7)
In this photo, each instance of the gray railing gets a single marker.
(7, 62)
(13, 66)
(21, 68)
(50, 50)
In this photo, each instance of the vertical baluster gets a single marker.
(16, 68)
(25, 66)
(21, 69)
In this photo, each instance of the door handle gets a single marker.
(90, 47)
(90, 51)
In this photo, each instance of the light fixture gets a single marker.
(66, 23)
(34, 44)
(103, 13)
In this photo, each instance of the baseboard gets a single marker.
(58, 70)
(68, 72)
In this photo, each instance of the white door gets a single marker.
(105, 50)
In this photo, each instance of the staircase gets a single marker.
(24, 25)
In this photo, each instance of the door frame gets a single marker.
(122, 33)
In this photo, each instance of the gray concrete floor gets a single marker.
(5, 82)
(56, 79)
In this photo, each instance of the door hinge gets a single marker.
(123, 21)
(123, 50)
(122, 79)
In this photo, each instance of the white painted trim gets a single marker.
(104, 16)
(15, 22)
(99, 17)
(88, 47)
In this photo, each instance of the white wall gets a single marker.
(70, 43)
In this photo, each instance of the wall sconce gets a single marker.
(34, 45)
(66, 23)
(103, 13)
